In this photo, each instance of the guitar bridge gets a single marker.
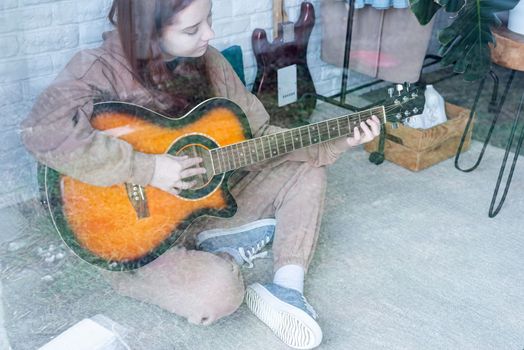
(137, 197)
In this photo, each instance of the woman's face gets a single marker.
(189, 32)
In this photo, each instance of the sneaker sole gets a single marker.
(293, 326)
(204, 235)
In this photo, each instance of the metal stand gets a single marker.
(345, 68)
(493, 212)
(339, 99)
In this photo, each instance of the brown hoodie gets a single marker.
(59, 134)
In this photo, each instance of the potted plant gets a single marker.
(464, 43)
(516, 18)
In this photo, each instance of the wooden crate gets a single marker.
(417, 149)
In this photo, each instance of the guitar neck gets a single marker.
(279, 16)
(266, 147)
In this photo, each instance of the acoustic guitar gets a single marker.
(124, 227)
(283, 82)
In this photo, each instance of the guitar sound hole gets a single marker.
(193, 151)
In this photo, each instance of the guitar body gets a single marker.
(273, 56)
(123, 227)
(126, 226)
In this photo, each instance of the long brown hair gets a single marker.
(139, 24)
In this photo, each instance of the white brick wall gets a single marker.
(38, 37)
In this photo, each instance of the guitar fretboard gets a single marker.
(262, 148)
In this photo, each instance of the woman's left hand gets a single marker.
(370, 128)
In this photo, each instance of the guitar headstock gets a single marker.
(403, 101)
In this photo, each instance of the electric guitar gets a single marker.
(124, 227)
(283, 83)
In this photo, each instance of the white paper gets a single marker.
(85, 335)
(287, 85)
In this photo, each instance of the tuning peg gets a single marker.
(399, 88)
(407, 113)
(408, 86)
(415, 110)
(391, 91)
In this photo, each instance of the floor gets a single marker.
(405, 261)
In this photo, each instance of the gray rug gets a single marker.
(405, 261)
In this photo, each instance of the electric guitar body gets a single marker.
(288, 49)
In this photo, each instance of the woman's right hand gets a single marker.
(170, 171)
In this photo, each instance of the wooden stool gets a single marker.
(507, 53)
(509, 50)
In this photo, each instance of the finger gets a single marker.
(189, 162)
(356, 134)
(184, 185)
(192, 172)
(374, 124)
(355, 139)
(367, 132)
(173, 191)
(179, 159)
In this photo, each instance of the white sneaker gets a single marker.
(287, 312)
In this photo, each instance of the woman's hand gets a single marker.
(371, 129)
(170, 171)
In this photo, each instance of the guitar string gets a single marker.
(269, 146)
(272, 147)
(233, 158)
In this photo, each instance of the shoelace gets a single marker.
(309, 307)
(248, 255)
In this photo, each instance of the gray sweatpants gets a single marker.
(204, 287)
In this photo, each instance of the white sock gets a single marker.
(290, 276)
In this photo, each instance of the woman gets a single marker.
(159, 57)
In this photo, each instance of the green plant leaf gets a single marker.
(465, 43)
(451, 5)
(424, 10)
